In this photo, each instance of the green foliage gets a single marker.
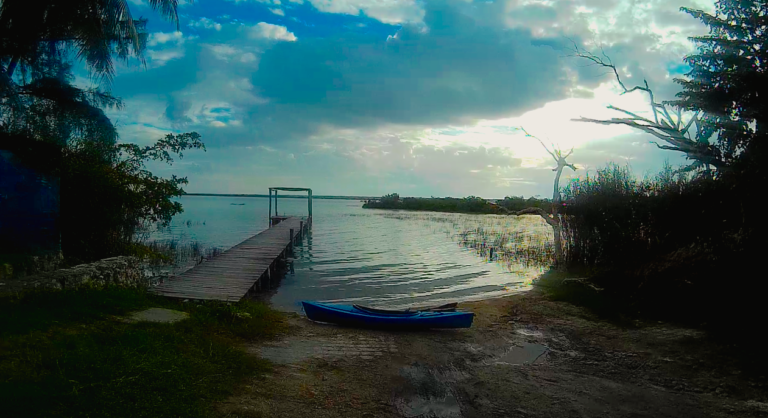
(107, 194)
(64, 354)
(518, 203)
(471, 204)
(105, 203)
(664, 243)
(728, 80)
(32, 31)
(677, 244)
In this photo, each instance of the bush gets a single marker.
(663, 243)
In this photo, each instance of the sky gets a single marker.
(422, 98)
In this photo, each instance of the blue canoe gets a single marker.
(362, 316)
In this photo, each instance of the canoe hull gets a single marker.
(349, 315)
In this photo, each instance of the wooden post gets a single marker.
(270, 208)
(291, 242)
(310, 207)
(276, 203)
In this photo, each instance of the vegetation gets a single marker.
(68, 354)
(518, 203)
(107, 195)
(471, 204)
(682, 245)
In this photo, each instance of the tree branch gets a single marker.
(534, 211)
(668, 130)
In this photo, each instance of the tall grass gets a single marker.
(668, 239)
(510, 241)
(172, 255)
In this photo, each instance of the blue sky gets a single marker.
(367, 97)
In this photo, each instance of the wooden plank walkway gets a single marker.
(235, 272)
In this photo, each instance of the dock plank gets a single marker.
(229, 276)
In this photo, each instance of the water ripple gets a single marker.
(382, 258)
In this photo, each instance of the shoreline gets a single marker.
(525, 356)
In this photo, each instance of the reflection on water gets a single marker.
(381, 258)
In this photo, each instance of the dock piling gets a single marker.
(292, 239)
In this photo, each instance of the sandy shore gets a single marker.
(525, 356)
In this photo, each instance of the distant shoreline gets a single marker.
(284, 196)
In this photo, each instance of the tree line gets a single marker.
(469, 204)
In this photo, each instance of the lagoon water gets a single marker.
(373, 257)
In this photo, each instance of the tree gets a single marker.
(106, 192)
(33, 30)
(667, 123)
(552, 219)
(104, 205)
(728, 79)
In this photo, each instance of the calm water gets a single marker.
(373, 257)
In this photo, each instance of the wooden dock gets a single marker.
(243, 268)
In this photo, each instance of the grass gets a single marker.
(67, 354)
(564, 286)
(181, 254)
(512, 241)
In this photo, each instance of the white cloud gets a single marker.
(159, 38)
(205, 23)
(160, 57)
(223, 51)
(387, 11)
(165, 46)
(248, 57)
(278, 12)
(265, 30)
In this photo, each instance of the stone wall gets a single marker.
(116, 271)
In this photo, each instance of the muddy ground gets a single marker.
(525, 356)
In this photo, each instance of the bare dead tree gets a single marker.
(667, 124)
(552, 219)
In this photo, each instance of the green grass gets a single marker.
(67, 354)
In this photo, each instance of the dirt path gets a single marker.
(525, 356)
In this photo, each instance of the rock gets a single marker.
(115, 271)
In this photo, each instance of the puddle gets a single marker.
(526, 354)
(427, 394)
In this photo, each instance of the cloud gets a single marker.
(248, 57)
(644, 39)
(427, 107)
(456, 72)
(263, 30)
(278, 12)
(392, 11)
(160, 38)
(223, 51)
(166, 46)
(205, 23)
